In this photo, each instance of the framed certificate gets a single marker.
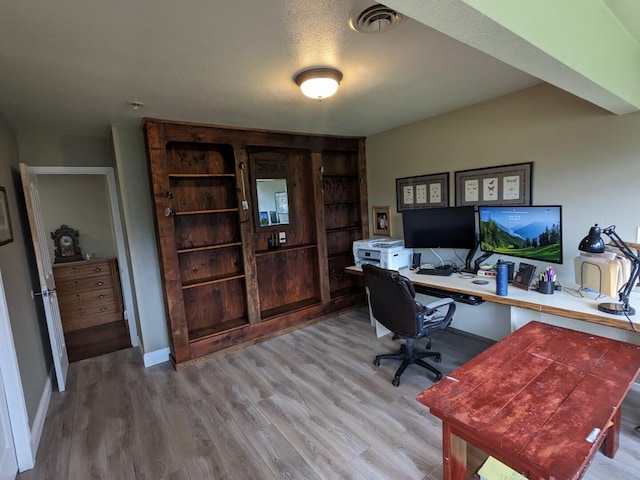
(503, 185)
(425, 191)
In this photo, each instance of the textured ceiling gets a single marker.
(72, 67)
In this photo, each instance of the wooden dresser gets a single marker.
(88, 293)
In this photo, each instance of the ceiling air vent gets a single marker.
(376, 18)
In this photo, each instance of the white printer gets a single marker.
(383, 252)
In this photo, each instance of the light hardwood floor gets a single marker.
(308, 404)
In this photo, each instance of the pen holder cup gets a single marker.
(546, 287)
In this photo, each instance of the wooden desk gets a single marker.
(560, 303)
(532, 400)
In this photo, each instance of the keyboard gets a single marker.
(442, 270)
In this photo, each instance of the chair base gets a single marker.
(409, 356)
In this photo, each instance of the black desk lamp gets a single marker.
(593, 243)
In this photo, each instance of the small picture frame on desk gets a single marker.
(381, 218)
(524, 276)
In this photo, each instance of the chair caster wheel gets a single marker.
(437, 358)
(438, 377)
(395, 382)
(376, 362)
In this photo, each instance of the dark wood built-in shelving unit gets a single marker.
(345, 213)
(225, 282)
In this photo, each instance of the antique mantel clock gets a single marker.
(65, 239)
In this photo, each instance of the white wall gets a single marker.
(584, 158)
(45, 150)
(16, 258)
(82, 203)
(135, 193)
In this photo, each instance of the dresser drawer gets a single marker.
(82, 269)
(73, 286)
(88, 293)
(71, 299)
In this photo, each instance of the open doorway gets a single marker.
(85, 199)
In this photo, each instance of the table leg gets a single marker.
(454, 455)
(612, 438)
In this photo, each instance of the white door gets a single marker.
(45, 273)
(8, 462)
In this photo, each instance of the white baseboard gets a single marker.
(157, 356)
(41, 413)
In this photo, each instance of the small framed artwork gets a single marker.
(282, 205)
(425, 191)
(503, 185)
(6, 233)
(274, 217)
(264, 218)
(381, 217)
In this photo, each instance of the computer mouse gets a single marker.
(480, 282)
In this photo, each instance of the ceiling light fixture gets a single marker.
(319, 83)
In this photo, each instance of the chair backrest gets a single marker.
(392, 300)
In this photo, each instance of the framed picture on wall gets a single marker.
(6, 233)
(503, 185)
(282, 205)
(425, 191)
(381, 218)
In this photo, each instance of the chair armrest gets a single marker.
(431, 315)
(439, 303)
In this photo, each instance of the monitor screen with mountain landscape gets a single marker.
(533, 232)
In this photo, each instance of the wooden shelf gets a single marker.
(199, 212)
(340, 175)
(273, 251)
(343, 229)
(289, 308)
(202, 175)
(219, 277)
(199, 334)
(212, 280)
(346, 202)
(209, 247)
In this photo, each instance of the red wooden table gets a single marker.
(541, 400)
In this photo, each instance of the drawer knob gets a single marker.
(104, 309)
(98, 269)
(99, 284)
(102, 295)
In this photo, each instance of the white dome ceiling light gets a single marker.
(318, 83)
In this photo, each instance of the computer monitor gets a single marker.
(533, 232)
(446, 227)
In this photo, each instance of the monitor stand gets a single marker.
(476, 265)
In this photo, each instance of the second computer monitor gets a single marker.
(448, 227)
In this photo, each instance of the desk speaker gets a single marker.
(415, 261)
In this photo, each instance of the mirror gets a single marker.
(273, 201)
(271, 189)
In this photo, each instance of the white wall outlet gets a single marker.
(282, 237)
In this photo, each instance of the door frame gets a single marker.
(123, 259)
(18, 415)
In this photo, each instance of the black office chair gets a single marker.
(393, 304)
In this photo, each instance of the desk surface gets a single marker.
(532, 399)
(560, 303)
